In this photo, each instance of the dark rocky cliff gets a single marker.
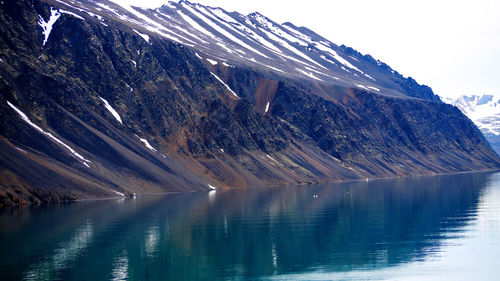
(181, 129)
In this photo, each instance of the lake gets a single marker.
(433, 228)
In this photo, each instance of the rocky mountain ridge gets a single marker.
(255, 41)
(100, 100)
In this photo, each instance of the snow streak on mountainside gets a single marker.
(258, 42)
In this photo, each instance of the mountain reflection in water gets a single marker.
(360, 230)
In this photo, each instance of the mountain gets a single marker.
(100, 99)
(484, 111)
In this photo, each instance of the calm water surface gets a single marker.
(431, 228)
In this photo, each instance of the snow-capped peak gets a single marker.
(483, 110)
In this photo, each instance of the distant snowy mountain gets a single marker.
(484, 111)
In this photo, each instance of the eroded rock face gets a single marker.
(373, 130)
(98, 111)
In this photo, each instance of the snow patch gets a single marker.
(289, 47)
(153, 26)
(211, 187)
(119, 193)
(273, 68)
(267, 107)
(179, 28)
(330, 61)
(22, 150)
(194, 24)
(169, 4)
(308, 74)
(247, 31)
(146, 143)
(220, 80)
(93, 15)
(144, 36)
(198, 56)
(47, 26)
(298, 33)
(237, 28)
(129, 88)
(149, 24)
(318, 72)
(369, 77)
(221, 14)
(373, 88)
(135, 63)
(221, 30)
(362, 87)
(107, 8)
(260, 39)
(212, 62)
(71, 13)
(247, 21)
(336, 56)
(225, 47)
(276, 30)
(111, 110)
(27, 120)
(274, 160)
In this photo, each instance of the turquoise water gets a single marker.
(431, 228)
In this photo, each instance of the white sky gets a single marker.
(452, 46)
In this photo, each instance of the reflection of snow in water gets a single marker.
(211, 196)
(275, 256)
(67, 252)
(152, 240)
(488, 219)
(120, 268)
(225, 225)
(167, 228)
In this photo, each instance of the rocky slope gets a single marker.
(484, 111)
(102, 100)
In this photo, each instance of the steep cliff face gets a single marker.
(385, 136)
(91, 107)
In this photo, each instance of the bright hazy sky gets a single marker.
(452, 46)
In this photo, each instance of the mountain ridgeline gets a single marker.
(106, 100)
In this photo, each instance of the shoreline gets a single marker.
(289, 185)
(318, 182)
